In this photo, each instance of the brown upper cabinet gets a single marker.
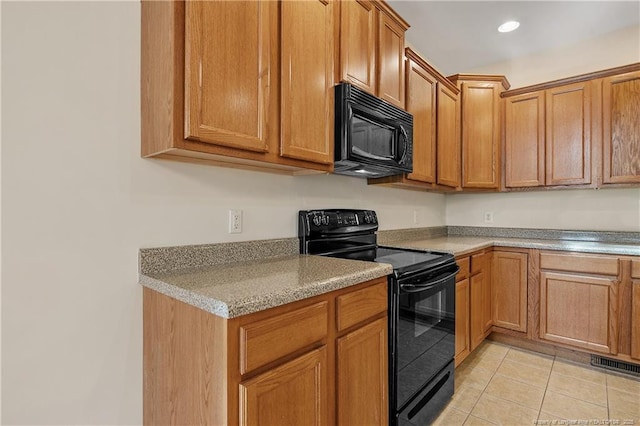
(480, 129)
(259, 98)
(621, 128)
(372, 48)
(580, 131)
(432, 99)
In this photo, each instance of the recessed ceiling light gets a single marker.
(508, 26)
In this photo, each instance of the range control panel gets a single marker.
(335, 221)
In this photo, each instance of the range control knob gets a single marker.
(317, 220)
(325, 220)
(367, 218)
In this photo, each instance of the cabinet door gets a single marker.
(234, 106)
(448, 138)
(421, 102)
(307, 107)
(621, 128)
(358, 44)
(524, 140)
(635, 320)
(579, 310)
(295, 393)
(480, 134)
(363, 375)
(462, 320)
(568, 134)
(509, 290)
(635, 309)
(390, 60)
(480, 290)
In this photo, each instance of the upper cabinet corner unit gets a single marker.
(227, 83)
(480, 129)
(371, 48)
(433, 101)
(581, 131)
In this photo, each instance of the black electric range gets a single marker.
(421, 308)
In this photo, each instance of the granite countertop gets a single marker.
(239, 288)
(462, 245)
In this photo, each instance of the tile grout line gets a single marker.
(486, 386)
(544, 395)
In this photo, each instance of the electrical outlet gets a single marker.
(488, 217)
(235, 221)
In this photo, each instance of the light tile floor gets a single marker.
(504, 385)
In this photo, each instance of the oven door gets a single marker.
(425, 330)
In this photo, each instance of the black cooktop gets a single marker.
(350, 234)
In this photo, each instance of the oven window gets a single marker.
(369, 138)
(425, 337)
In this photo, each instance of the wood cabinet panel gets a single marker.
(448, 138)
(307, 81)
(358, 306)
(524, 140)
(579, 310)
(421, 102)
(635, 320)
(480, 294)
(568, 134)
(390, 59)
(578, 262)
(363, 375)
(480, 134)
(358, 21)
(301, 383)
(257, 336)
(462, 320)
(509, 290)
(230, 105)
(621, 128)
(464, 265)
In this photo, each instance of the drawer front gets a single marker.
(464, 264)
(267, 340)
(635, 269)
(357, 306)
(588, 264)
(479, 261)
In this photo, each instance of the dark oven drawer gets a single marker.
(426, 406)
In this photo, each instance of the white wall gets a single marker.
(78, 202)
(610, 209)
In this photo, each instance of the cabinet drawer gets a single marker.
(267, 340)
(588, 264)
(479, 261)
(635, 269)
(359, 305)
(464, 264)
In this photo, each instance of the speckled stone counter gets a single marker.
(251, 285)
(460, 245)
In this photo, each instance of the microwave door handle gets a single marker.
(405, 145)
(415, 288)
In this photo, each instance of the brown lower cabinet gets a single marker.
(635, 310)
(462, 311)
(480, 320)
(509, 289)
(306, 362)
(473, 302)
(578, 300)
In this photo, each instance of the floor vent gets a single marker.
(615, 365)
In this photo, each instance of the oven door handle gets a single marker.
(414, 288)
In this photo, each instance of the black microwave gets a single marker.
(373, 138)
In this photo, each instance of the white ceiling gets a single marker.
(457, 36)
